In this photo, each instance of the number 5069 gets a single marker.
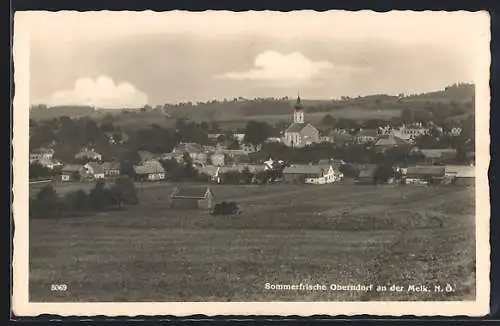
(58, 287)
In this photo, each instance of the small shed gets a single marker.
(71, 172)
(367, 174)
(191, 197)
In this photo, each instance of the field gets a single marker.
(329, 234)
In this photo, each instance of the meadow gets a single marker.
(286, 234)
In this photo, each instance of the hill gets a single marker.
(454, 100)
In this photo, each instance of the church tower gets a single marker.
(298, 112)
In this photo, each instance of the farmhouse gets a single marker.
(424, 174)
(409, 133)
(311, 174)
(71, 172)
(366, 136)
(89, 154)
(463, 175)
(151, 170)
(192, 198)
(93, 170)
(299, 133)
(194, 150)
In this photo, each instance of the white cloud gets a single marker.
(102, 93)
(271, 66)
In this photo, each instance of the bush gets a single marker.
(224, 208)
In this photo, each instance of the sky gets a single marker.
(129, 59)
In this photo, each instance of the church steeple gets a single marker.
(298, 114)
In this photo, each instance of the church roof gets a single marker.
(296, 127)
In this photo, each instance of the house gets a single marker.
(192, 198)
(311, 174)
(463, 175)
(48, 163)
(300, 133)
(424, 174)
(237, 156)
(111, 168)
(194, 150)
(71, 172)
(88, 154)
(217, 159)
(409, 133)
(41, 154)
(366, 174)
(389, 141)
(366, 136)
(439, 155)
(150, 170)
(93, 170)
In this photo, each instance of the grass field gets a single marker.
(342, 234)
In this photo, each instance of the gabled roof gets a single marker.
(431, 170)
(70, 168)
(96, 167)
(145, 155)
(368, 132)
(191, 192)
(390, 140)
(306, 169)
(42, 151)
(111, 165)
(439, 153)
(461, 171)
(188, 147)
(296, 127)
(367, 170)
(87, 153)
(148, 167)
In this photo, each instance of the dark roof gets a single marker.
(367, 171)
(431, 170)
(191, 192)
(439, 153)
(296, 127)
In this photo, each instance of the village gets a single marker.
(221, 164)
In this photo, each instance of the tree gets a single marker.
(124, 192)
(256, 132)
(406, 115)
(37, 171)
(100, 197)
(383, 173)
(328, 120)
(77, 201)
(47, 202)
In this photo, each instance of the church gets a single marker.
(300, 133)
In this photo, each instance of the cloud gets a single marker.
(102, 93)
(274, 66)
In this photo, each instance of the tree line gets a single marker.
(47, 203)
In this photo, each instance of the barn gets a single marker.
(425, 174)
(192, 198)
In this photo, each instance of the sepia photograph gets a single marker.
(264, 163)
